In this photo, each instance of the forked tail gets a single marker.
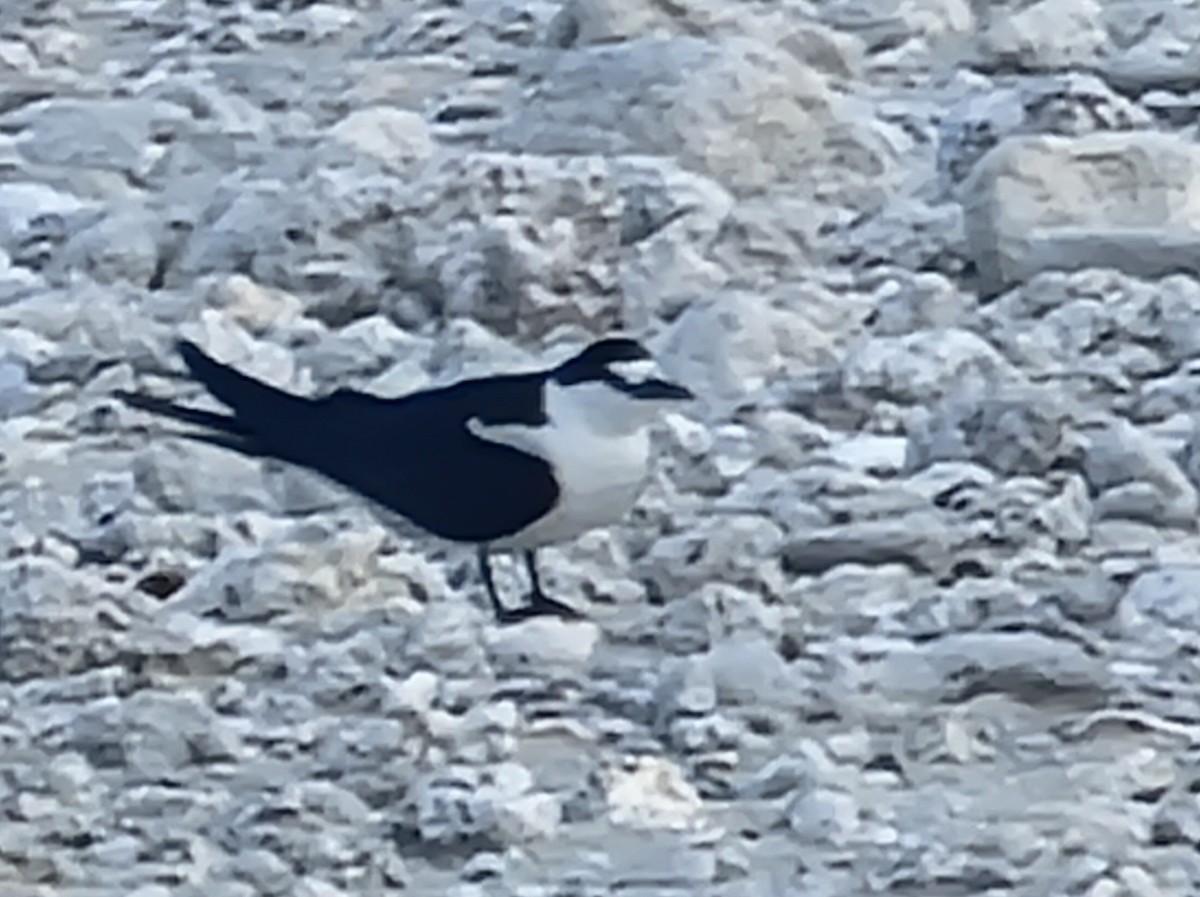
(258, 408)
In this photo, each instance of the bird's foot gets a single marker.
(538, 606)
(544, 605)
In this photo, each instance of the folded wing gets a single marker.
(413, 455)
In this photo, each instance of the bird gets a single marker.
(510, 462)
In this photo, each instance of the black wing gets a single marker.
(412, 455)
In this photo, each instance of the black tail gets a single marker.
(251, 400)
(225, 423)
(257, 407)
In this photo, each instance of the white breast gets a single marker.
(599, 458)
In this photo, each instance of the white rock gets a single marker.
(151, 891)
(653, 795)
(71, 777)
(1129, 201)
(730, 345)
(446, 637)
(255, 307)
(311, 887)
(871, 453)
(543, 645)
(747, 669)
(921, 367)
(416, 693)
(396, 137)
(1046, 34)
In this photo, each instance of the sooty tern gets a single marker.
(511, 462)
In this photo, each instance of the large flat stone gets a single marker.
(1129, 201)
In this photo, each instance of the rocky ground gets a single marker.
(911, 606)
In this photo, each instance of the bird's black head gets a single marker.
(623, 364)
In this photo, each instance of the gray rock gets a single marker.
(165, 474)
(1156, 610)
(570, 113)
(1037, 203)
(446, 637)
(333, 244)
(587, 22)
(1013, 429)
(35, 218)
(1152, 46)
(1045, 35)
(748, 668)
(48, 626)
(1069, 104)
(777, 778)
(123, 133)
(921, 367)
(262, 870)
(1098, 333)
(514, 272)
(931, 237)
(122, 246)
(1028, 665)
(448, 809)
(201, 646)
(15, 394)
(1162, 397)
(733, 344)
(688, 688)
(920, 541)
(1134, 477)
(741, 549)
(905, 36)
(670, 220)
(821, 813)
(246, 585)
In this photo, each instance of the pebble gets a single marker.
(931, 270)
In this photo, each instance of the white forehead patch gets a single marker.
(638, 371)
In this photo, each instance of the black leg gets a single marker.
(485, 572)
(535, 583)
(541, 604)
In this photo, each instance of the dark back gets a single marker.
(415, 456)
